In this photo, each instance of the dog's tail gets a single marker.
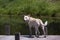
(44, 24)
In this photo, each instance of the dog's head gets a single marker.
(26, 17)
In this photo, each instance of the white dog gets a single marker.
(33, 22)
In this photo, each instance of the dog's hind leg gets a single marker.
(43, 28)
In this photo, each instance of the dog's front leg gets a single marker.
(30, 31)
(36, 32)
(30, 26)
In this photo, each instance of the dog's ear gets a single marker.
(29, 15)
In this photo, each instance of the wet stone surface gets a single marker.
(26, 37)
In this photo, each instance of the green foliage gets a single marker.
(28, 6)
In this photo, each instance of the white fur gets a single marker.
(38, 21)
